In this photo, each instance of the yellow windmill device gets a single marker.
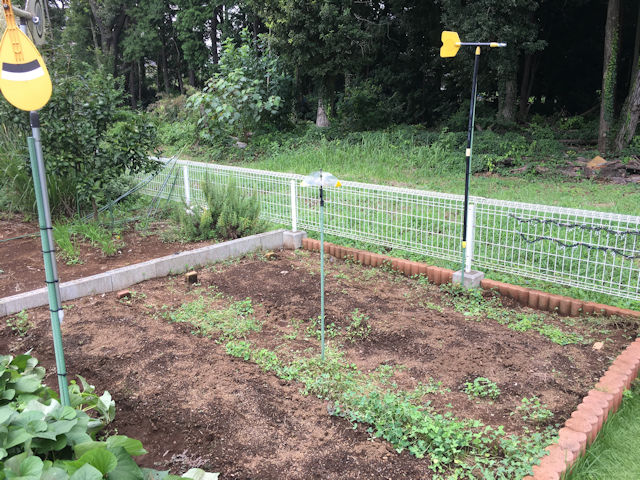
(24, 78)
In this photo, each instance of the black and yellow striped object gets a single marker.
(24, 78)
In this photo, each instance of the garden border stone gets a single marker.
(121, 278)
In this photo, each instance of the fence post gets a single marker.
(187, 189)
(294, 206)
(471, 230)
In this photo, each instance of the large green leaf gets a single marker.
(82, 448)
(27, 383)
(16, 437)
(7, 394)
(31, 467)
(86, 472)
(102, 459)
(131, 445)
(127, 468)
(5, 414)
(54, 473)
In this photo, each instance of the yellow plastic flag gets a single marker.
(450, 44)
(24, 78)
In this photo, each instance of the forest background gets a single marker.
(232, 81)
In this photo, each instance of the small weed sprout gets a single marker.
(482, 387)
(20, 323)
(314, 329)
(532, 410)
(359, 328)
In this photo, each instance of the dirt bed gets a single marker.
(22, 265)
(194, 405)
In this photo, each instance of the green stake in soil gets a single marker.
(321, 179)
(450, 45)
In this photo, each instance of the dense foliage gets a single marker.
(90, 140)
(369, 64)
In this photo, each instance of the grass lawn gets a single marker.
(614, 454)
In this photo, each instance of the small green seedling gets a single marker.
(482, 387)
(532, 410)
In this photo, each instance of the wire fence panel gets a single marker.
(590, 250)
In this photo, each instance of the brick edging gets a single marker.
(581, 429)
(525, 296)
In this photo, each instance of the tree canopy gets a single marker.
(567, 57)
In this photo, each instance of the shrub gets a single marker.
(227, 214)
(245, 93)
(363, 106)
(89, 139)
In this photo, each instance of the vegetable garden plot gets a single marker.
(225, 374)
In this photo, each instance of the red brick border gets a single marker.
(525, 296)
(586, 421)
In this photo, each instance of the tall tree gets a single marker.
(609, 74)
(484, 20)
(631, 110)
(321, 41)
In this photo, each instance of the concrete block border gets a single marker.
(120, 278)
(581, 429)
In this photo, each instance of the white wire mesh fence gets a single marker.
(590, 250)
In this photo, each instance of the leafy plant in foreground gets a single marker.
(42, 440)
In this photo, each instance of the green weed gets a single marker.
(482, 387)
(19, 323)
(530, 409)
(358, 328)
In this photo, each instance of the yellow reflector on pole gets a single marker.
(450, 44)
(24, 78)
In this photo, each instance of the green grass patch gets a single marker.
(614, 454)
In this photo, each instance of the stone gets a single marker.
(293, 240)
(271, 256)
(472, 278)
(598, 345)
(596, 163)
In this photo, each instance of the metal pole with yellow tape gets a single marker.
(450, 45)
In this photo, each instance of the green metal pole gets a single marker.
(321, 273)
(472, 118)
(51, 276)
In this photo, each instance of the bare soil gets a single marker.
(193, 405)
(21, 261)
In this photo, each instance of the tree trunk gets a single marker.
(530, 67)
(132, 85)
(215, 21)
(630, 115)
(322, 120)
(507, 102)
(609, 74)
(192, 77)
(141, 77)
(165, 68)
(636, 50)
